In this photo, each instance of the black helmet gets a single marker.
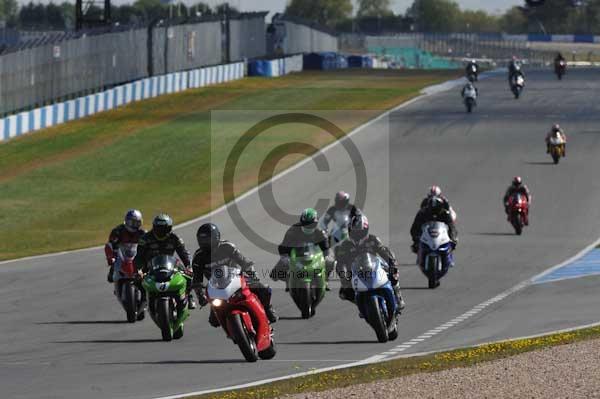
(436, 204)
(208, 236)
(359, 228)
(342, 199)
(162, 225)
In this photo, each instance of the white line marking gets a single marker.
(255, 189)
(477, 309)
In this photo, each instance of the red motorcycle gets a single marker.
(240, 313)
(127, 283)
(518, 211)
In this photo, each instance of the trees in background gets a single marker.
(324, 12)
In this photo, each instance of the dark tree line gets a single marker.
(51, 16)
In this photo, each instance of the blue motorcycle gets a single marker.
(374, 295)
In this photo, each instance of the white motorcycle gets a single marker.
(517, 85)
(435, 246)
(470, 98)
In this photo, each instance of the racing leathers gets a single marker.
(296, 238)
(225, 253)
(562, 135)
(150, 246)
(334, 213)
(514, 67)
(512, 190)
(348, 251)
(119, 235)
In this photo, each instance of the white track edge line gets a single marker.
(356, 130)
(362, 363)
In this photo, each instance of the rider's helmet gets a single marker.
(517, 181)
(308, 220)
(555, 128)
(208, 236)
(434, 191)
(474, 61)
(133, 220)
(358, 229)
(436, 205)
(342, 199)
(162, 225)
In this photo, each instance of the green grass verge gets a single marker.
(65, 187)
(405, 366)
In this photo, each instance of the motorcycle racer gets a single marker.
(557, 132)
(360, 241)
(341, 204)
(433, 211)
(213, 251)
(305, 231)
(517, 186)
(128, 232)
(162, 241)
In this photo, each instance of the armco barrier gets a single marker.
(274, 68)
(55, 114)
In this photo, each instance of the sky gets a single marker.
(398, 6)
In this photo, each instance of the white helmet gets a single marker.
(434, 191)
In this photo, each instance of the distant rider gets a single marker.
(514, 67)
(128, 232)
(559, 57)
(433, 211)
(341, 204)
(517, 186)
(556, 132)
(360, 241)
(472, 67)
(303, 232)
(162, 241)
(212, 252)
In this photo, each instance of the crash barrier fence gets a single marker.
(276, 67)
(70, 66)
(58, 113)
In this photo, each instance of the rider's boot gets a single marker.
(109, 276)
(271, 315)
(191, 301)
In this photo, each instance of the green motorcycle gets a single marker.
(165, 285)
(307, 278)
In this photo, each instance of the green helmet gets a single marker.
(308, 220)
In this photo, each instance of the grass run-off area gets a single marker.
(405, 366)
(67, 186)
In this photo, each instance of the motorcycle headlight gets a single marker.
(217, 302)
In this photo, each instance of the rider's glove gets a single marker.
(111, 261)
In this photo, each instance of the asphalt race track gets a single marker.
(63, 333)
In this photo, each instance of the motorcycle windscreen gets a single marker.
(368, 272)
(224, 282)
(162, 267)
(305, 255)
(127, 251)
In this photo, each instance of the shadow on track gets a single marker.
(85, 322)
(327, 343)
(167, 362)
(540, 163)
(109, 341)
(424, 287)
(290, 318)
(495, 233)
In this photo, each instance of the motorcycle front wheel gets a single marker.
(242, 338)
